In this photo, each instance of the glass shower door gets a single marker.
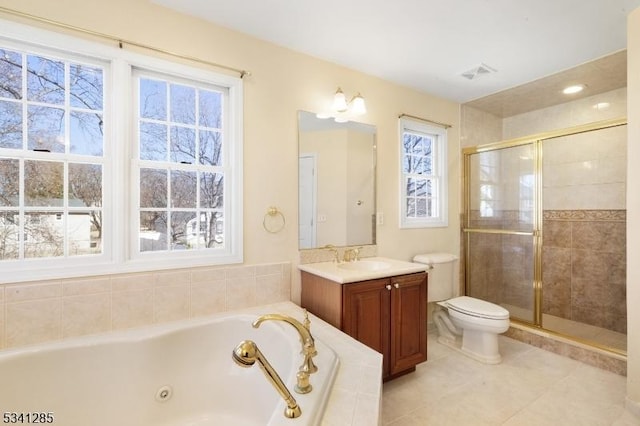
(500, 225)
(584, 250)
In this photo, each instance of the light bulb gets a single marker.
(339, 101)
(573, 89)
(357, 105)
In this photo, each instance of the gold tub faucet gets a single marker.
(308, 346)
(246, 354)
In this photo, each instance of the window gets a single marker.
(181, 164)
(423, 175)
(51, 155)
(83, 135)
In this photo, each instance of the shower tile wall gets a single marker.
(584, 264)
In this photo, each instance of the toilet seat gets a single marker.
(476, 308)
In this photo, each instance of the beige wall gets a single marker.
(282, 82)
(633, 214)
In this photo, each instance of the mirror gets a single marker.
(336, 182)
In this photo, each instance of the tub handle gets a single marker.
(245, 354)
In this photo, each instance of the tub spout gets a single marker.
(308, 346)
(246, 354)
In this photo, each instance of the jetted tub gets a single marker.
(167, 375)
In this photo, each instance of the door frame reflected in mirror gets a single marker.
(336, 182)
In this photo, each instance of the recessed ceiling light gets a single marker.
(570, 90)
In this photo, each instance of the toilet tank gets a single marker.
(441, 275)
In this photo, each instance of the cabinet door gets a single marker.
(366, 313)
(408, 321)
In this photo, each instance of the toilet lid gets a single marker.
(477, 308)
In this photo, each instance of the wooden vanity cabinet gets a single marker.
(389, 315)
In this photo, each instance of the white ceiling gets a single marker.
(428, 44)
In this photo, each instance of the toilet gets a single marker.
(464, 323)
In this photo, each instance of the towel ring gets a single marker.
(273, 214)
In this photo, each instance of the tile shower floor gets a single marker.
(530, 387)
(592, 333)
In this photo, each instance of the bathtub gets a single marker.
(166, 375)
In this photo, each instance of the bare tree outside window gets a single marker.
(51, 132)
(98, 179)
(423, 175)
(181, 174)
(418, 167)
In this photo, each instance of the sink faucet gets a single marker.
(334, 250)
(246, 354)
(308, 347)
(351, 254)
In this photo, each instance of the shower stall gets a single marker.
(544, 230)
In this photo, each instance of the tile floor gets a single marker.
(530, 387)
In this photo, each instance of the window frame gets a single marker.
(439, 162)
(118, 254)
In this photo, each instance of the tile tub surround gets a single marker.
(37, 312)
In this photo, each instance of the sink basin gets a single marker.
(365, 265)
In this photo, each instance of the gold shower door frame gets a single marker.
(535, 141)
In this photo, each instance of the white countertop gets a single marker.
(348, 272)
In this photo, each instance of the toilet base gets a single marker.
(480, 345)
(457, 344)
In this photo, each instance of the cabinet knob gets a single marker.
(396, 285)
(388, 287)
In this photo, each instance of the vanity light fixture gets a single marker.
(355, 106)
(576, 88)
(342, 110)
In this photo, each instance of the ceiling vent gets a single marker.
(479, 71)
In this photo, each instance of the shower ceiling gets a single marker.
(428, 44)
(599, 76)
